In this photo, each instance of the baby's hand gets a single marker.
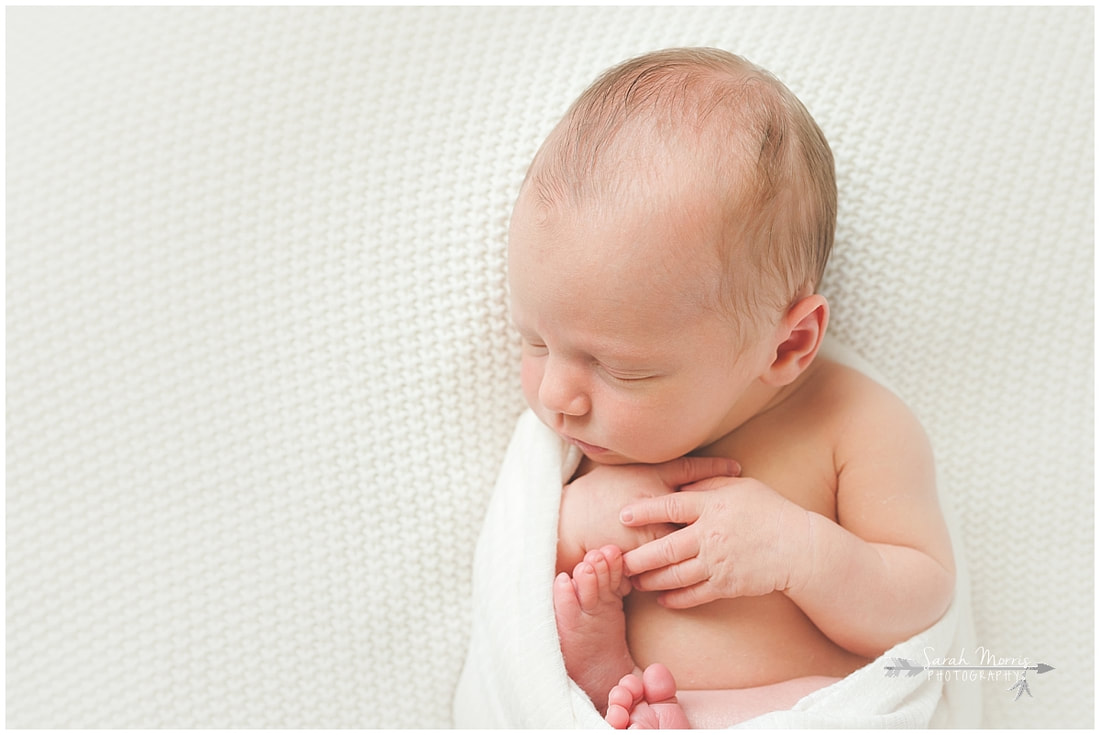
(743, 539)
(590, 504)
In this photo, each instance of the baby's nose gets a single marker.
(562, 391)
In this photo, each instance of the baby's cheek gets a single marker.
(530, 374)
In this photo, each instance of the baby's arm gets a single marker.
(880, 573)
(884, 571)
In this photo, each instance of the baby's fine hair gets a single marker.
(771, 165)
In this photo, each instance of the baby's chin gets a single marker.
(611, 457)
(610, 460)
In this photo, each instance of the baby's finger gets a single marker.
(692, 469)
(686, 597)
(671, 549)
(711, 483)
(676, 576)
(671, 508)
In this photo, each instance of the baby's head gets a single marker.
(686, 201)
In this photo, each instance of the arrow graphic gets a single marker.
(909, 668)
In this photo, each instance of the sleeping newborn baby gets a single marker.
(751, 521)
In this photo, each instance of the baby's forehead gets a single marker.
(652, 243)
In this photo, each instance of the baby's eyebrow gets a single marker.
(630, 357)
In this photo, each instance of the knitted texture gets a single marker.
(260, 374)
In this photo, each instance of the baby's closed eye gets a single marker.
(627, 376)
(533, 347)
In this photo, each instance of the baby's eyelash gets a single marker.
(533, 345)
(626, 377)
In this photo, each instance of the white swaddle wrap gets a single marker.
(514, 675)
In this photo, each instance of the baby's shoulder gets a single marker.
(860, 412)
(847, 384)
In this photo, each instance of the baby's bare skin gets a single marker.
(590, 507)
(668, 306)
(751, 641)
(591, 584)
(764, 647)
(588, 610)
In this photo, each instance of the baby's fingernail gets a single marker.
(626, 516)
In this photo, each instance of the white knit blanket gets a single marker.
(259, 369)
(514, 675)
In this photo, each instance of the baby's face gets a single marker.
(622, 355)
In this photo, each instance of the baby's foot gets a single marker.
(646, 702)
(588, 609)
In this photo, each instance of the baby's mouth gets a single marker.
(589, 449)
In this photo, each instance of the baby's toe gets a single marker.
(587, 586)
(621, 696)
(659, 683)
(616, 574)
(617, 716)
(633, 685)
(566, 605)
(603, 572)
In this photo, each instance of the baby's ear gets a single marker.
(799, 337)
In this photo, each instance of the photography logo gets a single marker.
(911, 668)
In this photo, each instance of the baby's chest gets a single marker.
(799, 465)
